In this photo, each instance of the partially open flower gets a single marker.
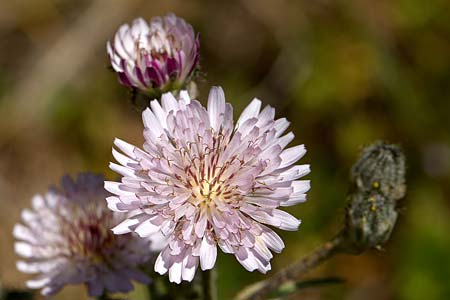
(66, 239)
(203, 182)
(155, 57)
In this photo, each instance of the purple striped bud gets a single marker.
(156, 56)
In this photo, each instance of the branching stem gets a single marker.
(260, 290)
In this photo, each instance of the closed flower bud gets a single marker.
(378, 180)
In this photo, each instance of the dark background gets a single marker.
(344, 73)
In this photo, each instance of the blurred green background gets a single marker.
(343, 72)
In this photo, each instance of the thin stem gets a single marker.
(104, 296)
(153, 291)
(209, 285)
(260, 290)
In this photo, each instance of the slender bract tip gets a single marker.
(378, 182)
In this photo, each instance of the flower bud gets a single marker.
(155, 57)
(378, 181)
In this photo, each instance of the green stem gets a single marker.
(260, 290)
(209, 285)
(104, 296)
(157, 290)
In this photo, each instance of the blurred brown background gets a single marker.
(344, 73)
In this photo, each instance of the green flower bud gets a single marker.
(378, 181)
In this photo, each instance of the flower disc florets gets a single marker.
(204, 182)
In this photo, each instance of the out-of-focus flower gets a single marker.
(155, 57)
(204, 182)
(67, 239)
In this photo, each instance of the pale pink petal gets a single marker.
(207, 183)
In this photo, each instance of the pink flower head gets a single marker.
(155, 57)
(203, 181)
(66, 239)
